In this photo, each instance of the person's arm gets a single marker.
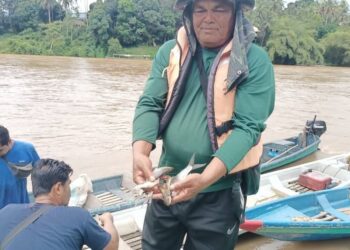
(99, 237)
(151, 103)
(142, 165)
(107, 224)
(254, 102)
(147, 115)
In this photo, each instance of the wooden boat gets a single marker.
(321, 215)
(282, 183)
(282, 152)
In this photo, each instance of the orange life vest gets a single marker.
(223, 100)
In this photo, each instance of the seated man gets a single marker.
(49, 223)
(14, 156)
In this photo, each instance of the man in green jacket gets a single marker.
(207, 206)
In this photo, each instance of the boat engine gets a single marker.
(316, 127)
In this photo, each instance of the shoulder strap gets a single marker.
(24, 224)
(203, 74)
(178, 92)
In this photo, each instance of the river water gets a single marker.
(80, 110)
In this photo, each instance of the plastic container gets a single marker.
(314, 180)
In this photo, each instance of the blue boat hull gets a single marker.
(300, 218)
(287, 151)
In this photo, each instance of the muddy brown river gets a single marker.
(80, 110)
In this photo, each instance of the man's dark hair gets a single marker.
(4, 136)
(48, 172)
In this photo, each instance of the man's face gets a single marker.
(4, 149)
(213, 22)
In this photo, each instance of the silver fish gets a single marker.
(164, 185)
(157, 173)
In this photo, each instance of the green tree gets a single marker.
(114, 47)
(99, 25)
(337, 48)
(111, 8)
(294, 45)
(333, 14)
(129, 29)
(25, 16)
(264, 14)
(159, 21)
(48, 5)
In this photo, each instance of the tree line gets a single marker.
(307, 32)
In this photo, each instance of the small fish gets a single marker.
(164, 184)
(147, 185)
(157, 173)
(164, 187)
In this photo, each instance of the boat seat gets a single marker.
(327, 207)
(331, 170)
(278, 187)
(343, 175)
(126, 225)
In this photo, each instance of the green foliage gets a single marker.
(98, 26)
(264, 14)
(294, 45)
(114, 46)
(159, 22)
(129, 29)
(303, 32)
(337, 48)
(25, 16)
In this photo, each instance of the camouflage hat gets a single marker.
(246, 4)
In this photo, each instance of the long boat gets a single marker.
(282, 152)
(321, 215)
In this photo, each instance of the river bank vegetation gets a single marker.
(306, 32)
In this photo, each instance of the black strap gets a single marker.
(224, 128)
(24, 224)
(203, 74)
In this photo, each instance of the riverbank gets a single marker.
(30, 44)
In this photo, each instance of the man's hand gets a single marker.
(142, 169)
(142, 164)
(106, 218)
(107, 224)
(188, 188)
(194, 183)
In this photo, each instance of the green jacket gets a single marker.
(187, 132)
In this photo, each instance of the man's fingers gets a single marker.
(147, 171)
(182, 196)
(157, 196)
(178, 186)
(139, 178)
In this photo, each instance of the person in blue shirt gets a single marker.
(14, 155)
(57, 226)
